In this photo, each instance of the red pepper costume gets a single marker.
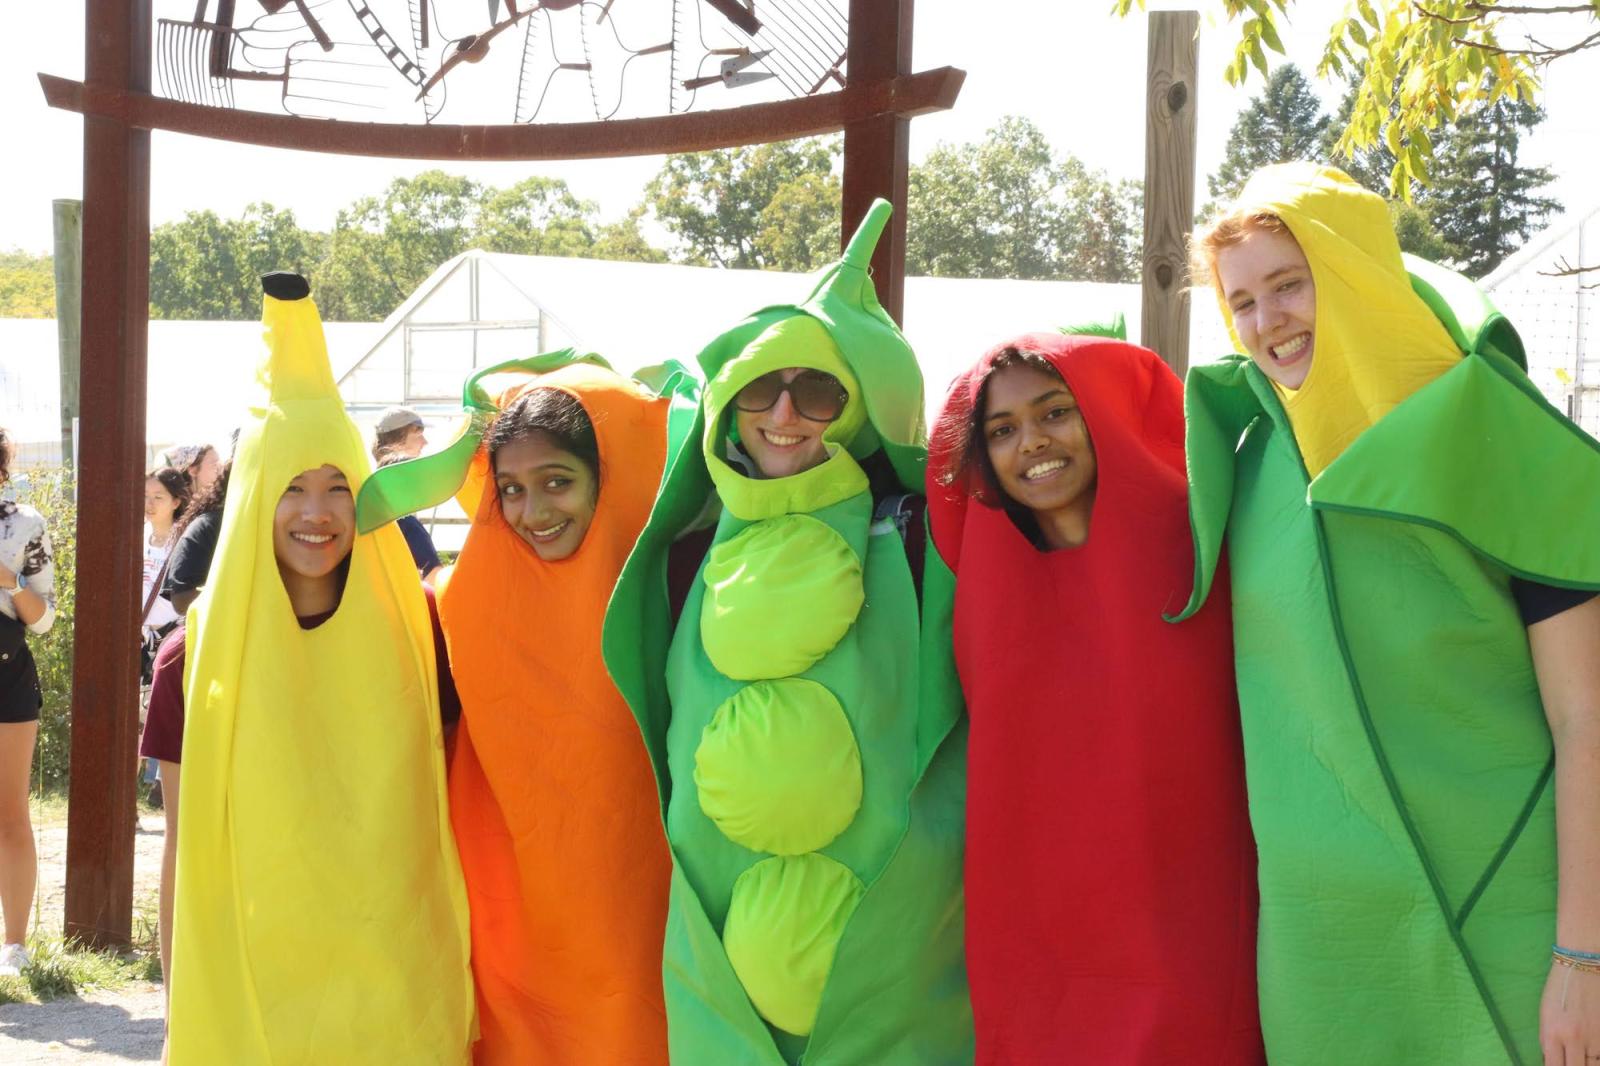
(1110, 870)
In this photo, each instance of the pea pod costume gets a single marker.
(807, 726)
(320, 911)
(551, 789)
(1398, 759)
(1106, 819)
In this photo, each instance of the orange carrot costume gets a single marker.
(552, 795)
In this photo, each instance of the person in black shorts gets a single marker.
(27, 604)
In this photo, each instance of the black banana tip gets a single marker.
(283, 285)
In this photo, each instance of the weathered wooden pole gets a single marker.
(877, 151)
(1169, 157)
(105, 668)
(67, 219)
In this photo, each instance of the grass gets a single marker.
(63, 969)
(60, 967)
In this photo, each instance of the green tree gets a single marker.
(1006, 207)
(383, 247)
(715, 203)
(1420, 66)
(197, 270)
(536, 216)
(1284, 123)
(799, 229)
(27, 285)
(623, 239)
(1484, 203)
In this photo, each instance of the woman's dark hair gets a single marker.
(5, 457)
(176, 484)
(969, 466)
(553, 414)
(207, 502)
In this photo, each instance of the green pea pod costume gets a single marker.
(1398, 756)
(806, 724)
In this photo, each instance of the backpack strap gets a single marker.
(908, 514)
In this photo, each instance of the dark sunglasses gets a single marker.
(817, 395)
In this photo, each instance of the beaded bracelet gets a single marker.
(1581, 961)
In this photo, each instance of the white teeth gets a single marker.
(1289, 349)
(313, 538)
(1038, 470)
(558, 527)
(782, 440)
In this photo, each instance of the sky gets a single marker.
(1069, 66)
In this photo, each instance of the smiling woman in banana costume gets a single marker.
(1414, 541)
(808, 737)
(320, 913)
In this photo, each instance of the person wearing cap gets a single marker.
(401, 436)
(1410, 538)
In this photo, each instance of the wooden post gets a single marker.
(877, 151)
(1169, 160)
(67, 216)
(105, 669)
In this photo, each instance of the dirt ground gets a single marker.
(99, 1026)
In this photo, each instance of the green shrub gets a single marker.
(50, 492)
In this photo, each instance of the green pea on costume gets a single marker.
(806, 721)
(1398, 757)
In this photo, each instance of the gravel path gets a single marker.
(99, 1026)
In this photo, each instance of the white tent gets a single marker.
(1558, 317)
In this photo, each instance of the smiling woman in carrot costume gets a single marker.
(320, 914)
(551, 789)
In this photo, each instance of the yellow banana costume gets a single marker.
(320, 912)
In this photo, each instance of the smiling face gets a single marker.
(547, 494)
(158, 503)
(1272, 297)
(780, 439)
(1039, 449)
(313, 529)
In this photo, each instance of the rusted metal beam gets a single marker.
(697, 131)
(1171, 115)
(877, 148)
(105, 668)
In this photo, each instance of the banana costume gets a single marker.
(806, 719)
(320, 911)
(1398, 759)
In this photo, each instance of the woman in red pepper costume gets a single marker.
(1110, 872)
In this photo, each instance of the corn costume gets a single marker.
(809, 743)
(320, 911)
(1398, 758)
(551, 788)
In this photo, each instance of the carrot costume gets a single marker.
(552, 794)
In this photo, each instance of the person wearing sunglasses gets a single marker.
(782, 415)
(808, 736)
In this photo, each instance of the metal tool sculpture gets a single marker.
(571, 60)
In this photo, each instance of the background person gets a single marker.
(401, 436)
(27, 605)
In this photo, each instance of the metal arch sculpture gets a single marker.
(346, 77)
(864, 86)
